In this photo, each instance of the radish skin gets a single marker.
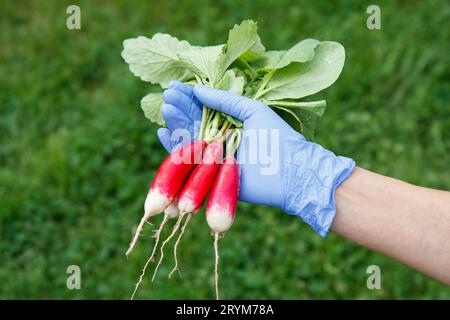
(222, 202)
(194, 192)
(221, 206)
(168, 182)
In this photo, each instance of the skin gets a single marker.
(406, 222)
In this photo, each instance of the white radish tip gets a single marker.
(155, 203)
(219, 220)
(186, 205)
(172, 210)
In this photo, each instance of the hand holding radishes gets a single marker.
(302, 175)
(301, 180)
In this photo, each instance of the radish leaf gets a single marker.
(299, 80)
(300, 120)
(150, 104)
(232, 83)
(255, 51)
(301, 52)
(203, 61)
(242, 66)
(155, 60)
(315, 107)
(241, 39)
(236, 122)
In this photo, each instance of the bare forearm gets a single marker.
(408, 223)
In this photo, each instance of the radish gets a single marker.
(222, 202)
(221, 206)
(169, 213)
(194, 193)
(168, 181)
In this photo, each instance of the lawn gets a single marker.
(77, 155)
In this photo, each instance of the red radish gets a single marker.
(168, 182)
(222, 202)
(194, 192)
(169, 213)
(221, 206)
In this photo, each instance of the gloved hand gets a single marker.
(296, 175)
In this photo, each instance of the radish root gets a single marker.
(186, 222)
(156, 235)
(136, 235)
(140, 279)
(138, 232)
(216, 265)
(174, 230)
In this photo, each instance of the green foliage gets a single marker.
(298, 80)
(305, 69)
(202, 60)
(156, 60)
(77, 156)
(303, 51)
(150, 104)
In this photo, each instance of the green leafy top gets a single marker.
(301, 52)
(241, 65)
(156, 60)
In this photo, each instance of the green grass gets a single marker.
(77, 154)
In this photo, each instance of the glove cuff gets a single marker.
(312, 174)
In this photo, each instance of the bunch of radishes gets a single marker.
(278, 78)
(184, 179)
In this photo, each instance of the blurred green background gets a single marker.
(77, 154)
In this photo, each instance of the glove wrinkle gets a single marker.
(312, 176)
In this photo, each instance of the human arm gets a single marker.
(408, 223)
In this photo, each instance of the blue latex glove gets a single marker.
(300, 179)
